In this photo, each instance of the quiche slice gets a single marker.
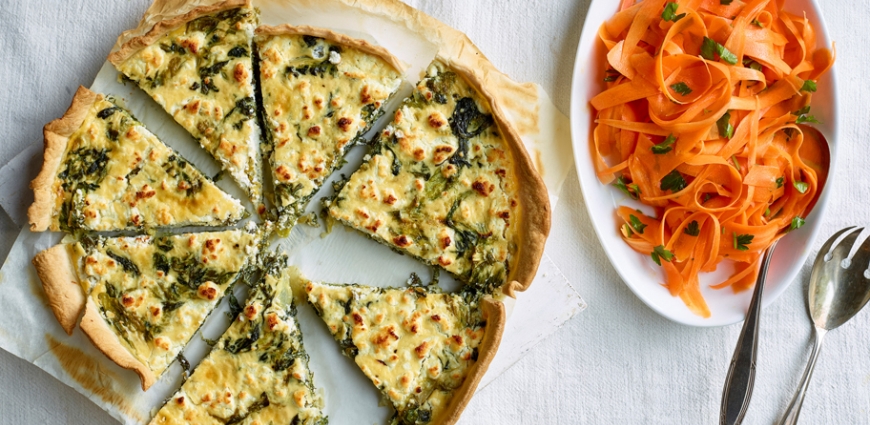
(103, 170)
(321, 92)
(198, 67)
(257, 373)
(449, 182)
(144, 297)
(424, 350)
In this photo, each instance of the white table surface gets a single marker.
(618, 361)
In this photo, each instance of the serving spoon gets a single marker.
(839, 289)
(741, 373)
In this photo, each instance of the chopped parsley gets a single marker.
(752, 64)
(670, 13)
(636, 224)
(801, 187)
(779, 182)
(681, 88)
(726, 130)
(796, 223)
(710, 49)
(741, 242)
(665, 146)
(632, 190)
(692, 229)
(757, 24)
(736, 162)
(660, 253)
(673, 181)
(809, 86)
(803, 116)
(611, 75)
(725, 2)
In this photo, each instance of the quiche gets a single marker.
(449, 182)
(144, 297)
(103, 170)
(321, 92)
(424, 350)
(257, 373)
(198, 67)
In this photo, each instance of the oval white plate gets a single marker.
(638, 271)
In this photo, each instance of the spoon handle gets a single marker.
(741, 373)
(794, 408)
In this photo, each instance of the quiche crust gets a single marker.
(61, 284)
(56, 135)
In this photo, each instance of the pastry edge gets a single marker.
(54, 266)
(362, 45)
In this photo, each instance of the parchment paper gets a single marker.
(28, 329)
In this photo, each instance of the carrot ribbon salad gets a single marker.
(703, 119)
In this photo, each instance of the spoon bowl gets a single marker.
(839, 289)
(837, 293)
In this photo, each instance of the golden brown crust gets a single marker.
(107, 342)
(56, 135)
(162, 17)
(54, 266)
(494, 313)
(362, 45)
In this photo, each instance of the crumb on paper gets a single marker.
(539, 162)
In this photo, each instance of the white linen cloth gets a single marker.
(618, 362)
